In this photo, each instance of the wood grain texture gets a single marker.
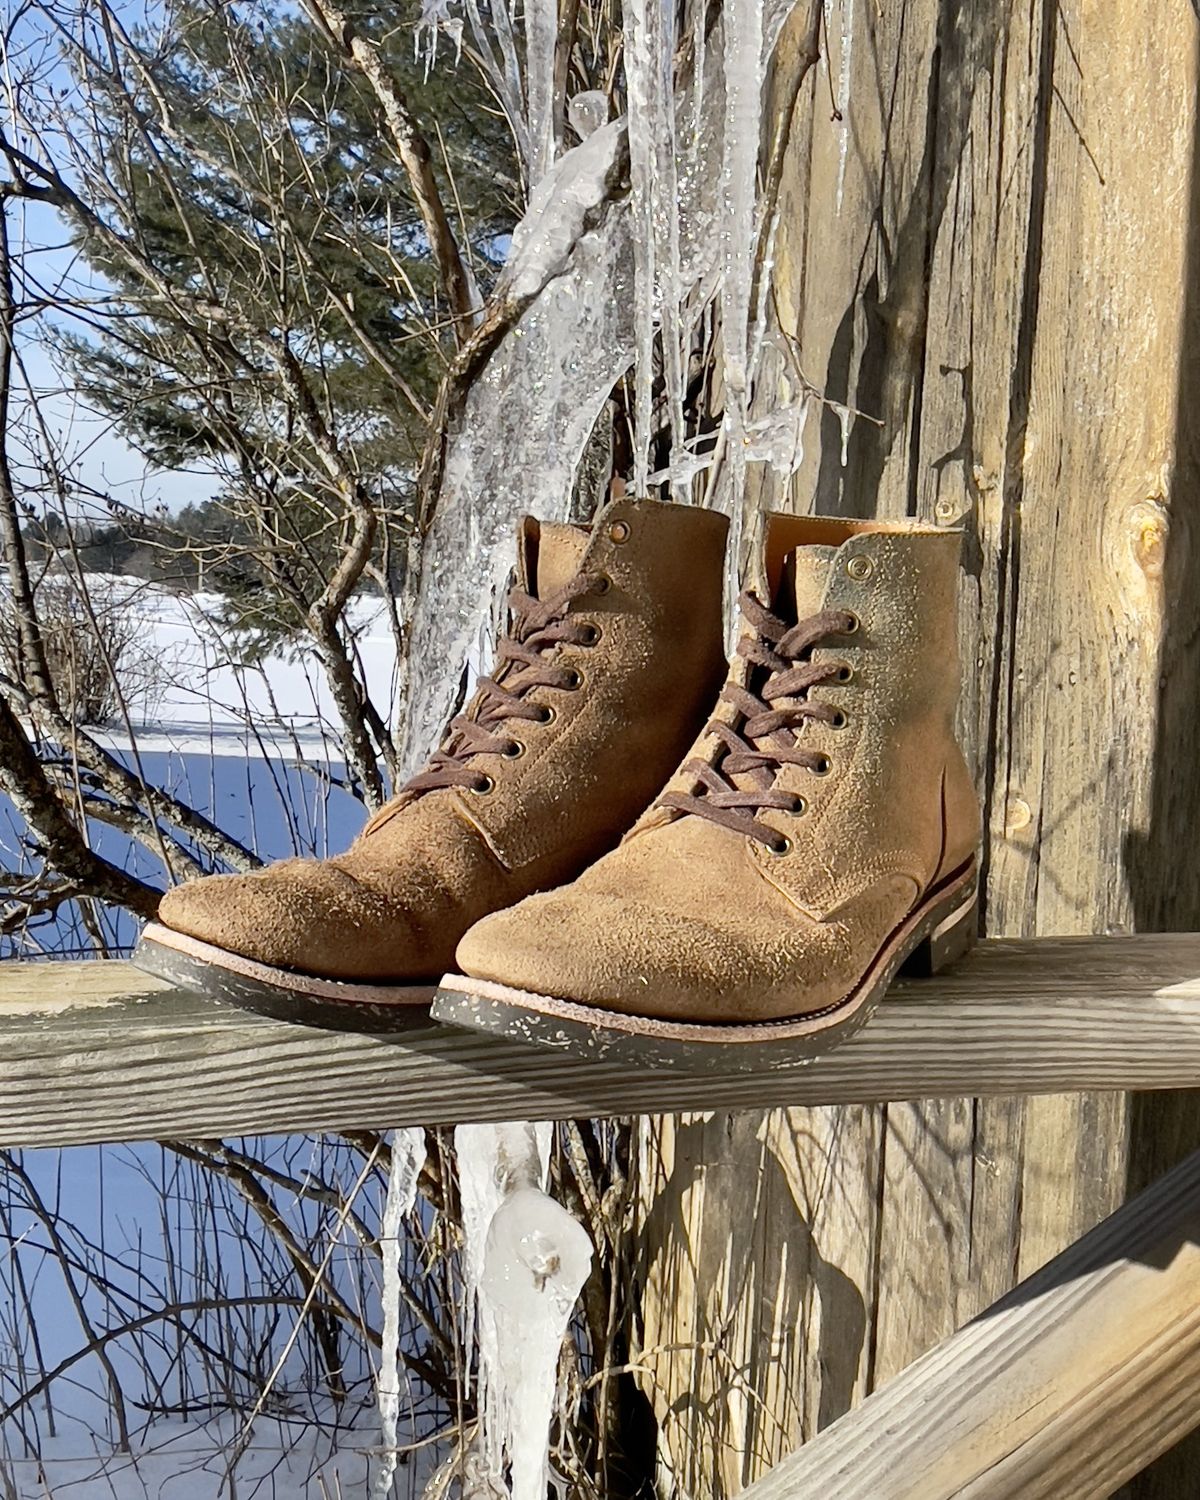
(99, 1052)
(994, 257)
(1065, 1388)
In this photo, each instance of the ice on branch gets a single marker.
(559, 210)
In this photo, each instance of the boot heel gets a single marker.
(952, 939)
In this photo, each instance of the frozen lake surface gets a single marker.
(256, 750)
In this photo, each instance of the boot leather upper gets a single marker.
(691, 921)
(393, 907)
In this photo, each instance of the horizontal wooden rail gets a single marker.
(1062, 1391)
(94, 1052)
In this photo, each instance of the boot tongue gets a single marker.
(560, 551)
(800, 591)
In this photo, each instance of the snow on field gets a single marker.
(254, 747)
(203, 700)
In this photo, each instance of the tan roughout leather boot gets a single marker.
(823, 831)
(614, 652)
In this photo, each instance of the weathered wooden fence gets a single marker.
(993, 255)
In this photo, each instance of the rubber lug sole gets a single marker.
(330, 1004)
(935, 935)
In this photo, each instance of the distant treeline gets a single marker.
(208, 547)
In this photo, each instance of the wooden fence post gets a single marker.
(989, 256)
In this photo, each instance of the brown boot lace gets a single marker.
(767, 737)
(536, 627)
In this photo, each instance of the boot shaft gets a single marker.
(892, 797)
(569, 783)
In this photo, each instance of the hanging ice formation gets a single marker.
(525, 1260)
(541, 38)
(658, 293)
(408, 1157)
(843, 96)
(435, 18)
(530, 414)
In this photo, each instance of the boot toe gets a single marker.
(662, 961)
(611, 953)
(300, 915)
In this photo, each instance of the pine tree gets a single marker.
(250, 171)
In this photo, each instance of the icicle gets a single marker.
(667, 236)
(435, 18)
(520, 1259)
(536, 1262)
(541, 41)
(504, 74)
(699, 63)
(649, 62)
(643, 43)
(490, 1159)
(408, 1157)
(843, 98)
(844, 415)
(743, 68)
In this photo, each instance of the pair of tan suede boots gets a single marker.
(818, 828)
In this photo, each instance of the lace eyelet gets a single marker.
(590, 634)
(860, 567)
(840, 719)
(483, 787)
(845, 672)
(779, 847)
(574, 680)
(603, 584)
(619, 532)
(853, 623)
(799, 808)
(547, 715)
(823, 766)
(513, 750)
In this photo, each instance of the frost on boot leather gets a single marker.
(613, 653)
(823, 831)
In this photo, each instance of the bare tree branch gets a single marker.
(412, 148)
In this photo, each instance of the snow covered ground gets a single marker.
(255, 748)
(205, 701)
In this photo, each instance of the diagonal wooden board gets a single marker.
(1062, 1390)
(96, 1052)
